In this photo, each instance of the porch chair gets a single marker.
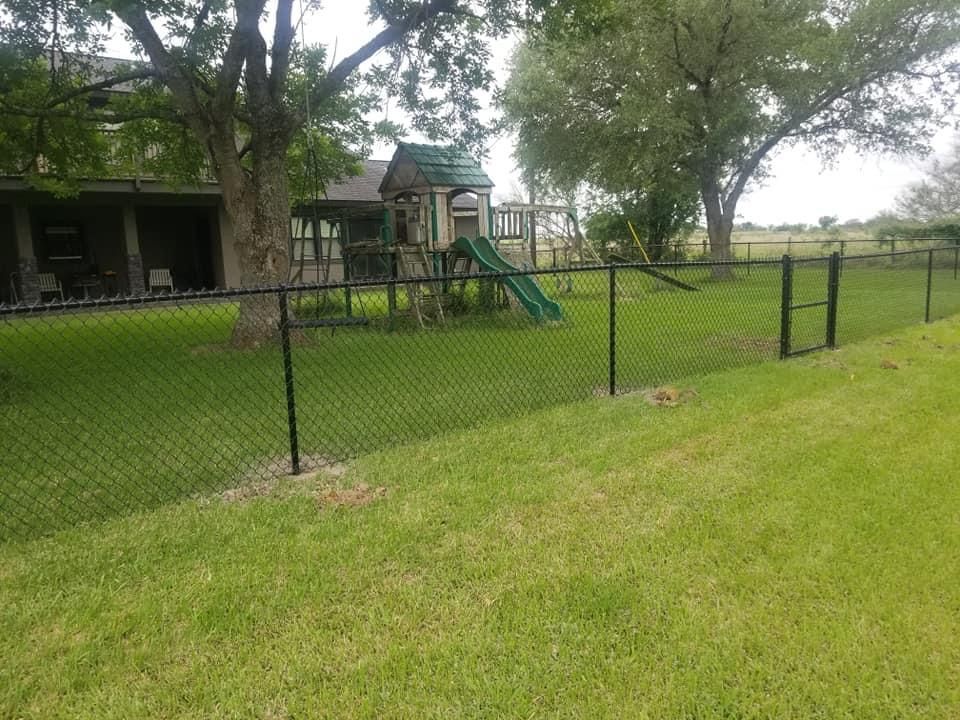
(159, 278)
(49, 284)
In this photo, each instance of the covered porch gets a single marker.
(105, 244)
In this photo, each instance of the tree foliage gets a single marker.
(946, 230)
(615, 92)
(937, 196)
(60, 93)
(657, 216)
(229, 85)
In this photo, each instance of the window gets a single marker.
(301, 233)
(63, 242)
(330, 235)
(308, 247)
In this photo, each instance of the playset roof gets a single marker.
(435, 166)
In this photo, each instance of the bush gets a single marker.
(943, 232)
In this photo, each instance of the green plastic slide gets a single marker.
(524, 287)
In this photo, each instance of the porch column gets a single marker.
(131, 240)
(485, 217)
(228, 272)
(27, 266)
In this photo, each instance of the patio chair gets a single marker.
(159, 278)
(49, 284)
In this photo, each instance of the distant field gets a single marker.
(766, 243)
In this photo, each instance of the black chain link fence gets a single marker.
(116, 405)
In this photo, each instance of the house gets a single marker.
(121, 231)
(108, 238)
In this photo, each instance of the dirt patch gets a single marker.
(281, 467)
(319, 478)
(669, 396)
(274, 479)
(743, 343)
(933, 341)
(828, 360)
(358, 496)
(889, 365)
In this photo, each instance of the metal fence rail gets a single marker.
(116, 405)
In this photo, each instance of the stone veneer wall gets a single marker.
(27, 268)
(135, 277)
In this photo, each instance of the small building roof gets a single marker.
(415, 165)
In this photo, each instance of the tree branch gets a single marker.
(110, 117)
(231, 68)
(722, 46)
(745, 172)
(198, 23)
(173, 76)
(394, 32)
(283, 33)
(141, 74)
(687, 72)
(254, 56)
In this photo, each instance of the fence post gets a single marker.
(956, 259)
(926, 315)
(786, 300)
(749, 264)
(392, 288)
(833, 293)
(288, 381)
(613, 330)
(347, 293)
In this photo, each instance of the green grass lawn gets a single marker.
(103, 413)
(785, 543)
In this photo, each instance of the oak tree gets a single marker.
(612, 92)
(232, 85)
(937, 196)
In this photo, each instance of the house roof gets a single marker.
(99, 67)
(365, 188)
(360, 188)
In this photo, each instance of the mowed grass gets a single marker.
(785, 543)
(103, 413)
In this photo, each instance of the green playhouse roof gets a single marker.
(444, 165)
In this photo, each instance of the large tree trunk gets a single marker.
(258, 206)
(719, 226)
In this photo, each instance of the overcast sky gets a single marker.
(799, 189)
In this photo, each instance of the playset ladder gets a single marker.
(413, 263)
